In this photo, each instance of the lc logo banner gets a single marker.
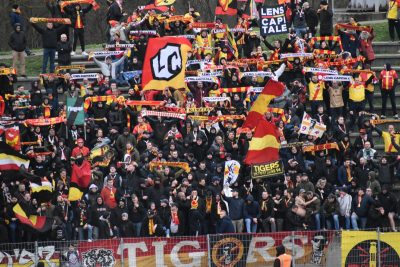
(360, 248)
(165, 63)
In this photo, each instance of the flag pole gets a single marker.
(84, 129)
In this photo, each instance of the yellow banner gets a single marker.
(360, 248)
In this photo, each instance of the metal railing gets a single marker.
(307, 248)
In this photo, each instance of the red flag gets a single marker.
(82, 174)
(13, 138)
(271, 90)
(226, 7)
(264, 146)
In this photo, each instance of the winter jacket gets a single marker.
(225, 226)
(49, 36)
(326, 22)
(72, 13)
(345, 204)
(362, 210)
(114, 12)
(251, 210)
(311, 18)
(109, 70)
(330, 209)
(17, 41)
(235, 207)
(64, 53)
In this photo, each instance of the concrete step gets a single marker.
(343, 16)
(386, 47)
(381, 59)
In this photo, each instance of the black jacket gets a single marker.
(326, 22)
(64, 53)
(114, 12)
(225, 226)
(49, 36)
(311, 17)
(17, 41)
(72, 13)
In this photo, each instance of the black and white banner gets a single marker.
(273, 20)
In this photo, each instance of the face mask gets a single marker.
(79, 161)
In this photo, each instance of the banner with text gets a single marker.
(273, 20)
(266, 169)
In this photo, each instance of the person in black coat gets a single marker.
(49, 43)
(126, 228)
(152, 225)
(224, 225)
(311, 18)
(294, 222)
(325, 19)
(64, 51)
(17, 43)
(115, 11)
(77, 16)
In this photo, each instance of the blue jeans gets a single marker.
(335, 218)
(317, 219)
(81, 233)
(48, 54)
(354, 221)
(136, 228)
(300, 32)
(13, 227)
(251, 227)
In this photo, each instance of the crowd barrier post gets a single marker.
(36, 253)
(208, 250)
(378, 238)
(293, 249)
(121, 245)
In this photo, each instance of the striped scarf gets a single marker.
(353, 27)
(231, 90)
(199, 110)
(44, 122)
(63, 4)
(51, 20)
(327, 38)
(89, 100)
(203, 25)
(320, 147)
(181, 165)
(383, 121)
(70, 67)
(180, 116)
(217, 118)
(8, 71)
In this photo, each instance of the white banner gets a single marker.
(79, 76)
(288, 55)
(207, 79)
(337, 78)
(309, 126)
(215, 98)
(257, 73)
(319, 70)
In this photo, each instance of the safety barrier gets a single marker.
(308, 248)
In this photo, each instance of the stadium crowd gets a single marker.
(347, 187)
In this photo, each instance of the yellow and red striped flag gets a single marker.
(271, 90)
(264, 146)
